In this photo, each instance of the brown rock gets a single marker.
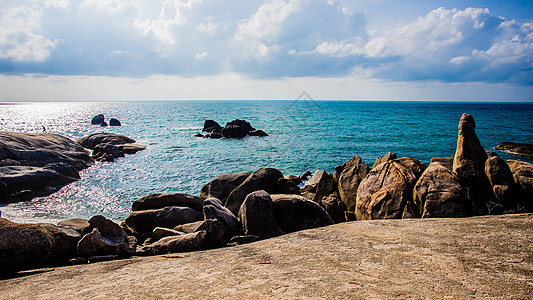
(348, 176)
(257, 216)
(384, 159)
(160, 200)
(502, 182)
(294, 213)
(144, 221)
(222, 185)
(322, 184)
(523, 177)
(179, 243)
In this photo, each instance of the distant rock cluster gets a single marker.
(100, 120)
(108, 146)
(237, 208)
(235, 129)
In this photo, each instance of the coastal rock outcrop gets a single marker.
(523, 178)
(257, 216)
(37, 164)
(144, 221)
(235, 129)
(65, 242)
(502, 182)
(221, 186)
(179, 243)
(98, 119)
(114, 122)
(294, 213)
(108, 146)
(214, 231)
(348, 176)
(519, 149)
(160, 200)
(105, 238)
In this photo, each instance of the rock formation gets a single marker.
(235, 129)
(108, 146)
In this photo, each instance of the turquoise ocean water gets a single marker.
(303, 135)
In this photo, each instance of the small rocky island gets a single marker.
(239, 208)
(236, 129)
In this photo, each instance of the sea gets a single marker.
(304, 135)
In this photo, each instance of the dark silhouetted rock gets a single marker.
(286, 186)
(259, 133)
(213, 135)
(469, 165)
(108, 146)
(114, 122)
(98, 119)
(213, 209)
(23, 246)
(384, 159)
(106, 152)
(104, 124)
(211, 126)
(160, 200)
(222, 185)
(65, 242)
(263, 179)
(94, 139)
(144, 221)
(438, 193)
(386, 192)
(519, 149)
(348, 176)
(294, 213)
(179, 243)
(241, 123)
(257, 216)
(234, 132)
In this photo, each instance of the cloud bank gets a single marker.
(260, 39)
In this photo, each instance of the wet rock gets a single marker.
(222, 185)
(294, 213)
(160, 200)
(131, 148)
(23, 246)
(213, 135)
(438, 193)
(263, 179)
(259, 133)
(348, 176)
(144, 221)
(94, 139)
(179, 243)
(469, 165)
(386, 192)
(213, 209)
(257, 216)
(98, 119)
(114, 122)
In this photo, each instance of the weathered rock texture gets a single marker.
(482, 257)
(348, 176)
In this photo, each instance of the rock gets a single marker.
(161, 232)
(519, 149)
(347, 177)
(257, 216)
(104, 124)
(211, 126)
(322, 184)
(263, 179)
(438, 193)
(106, 238)
(286, 186)
(23, 246)
(179, 243)
(130, 148)
(94, 139)
(106, 152)
(469, 165)
(335, 208)
(65, 242)
(222, 185)
(114, 122)
(259, 133)
(160, 200)
(386, 192)
(213, 209)
(213, 135)
(100, 258)
(446, 162)
(199, 135)
(98, 119)
(234, 132)
(523, 177)
(414, 165)
(386, 158)
(144, 221)
(294, 213)
(214, 231)
(298, 179)
(241, 123)
(502, 182)
(77, 224)
(244, 239)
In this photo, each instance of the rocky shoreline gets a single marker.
(238, 208)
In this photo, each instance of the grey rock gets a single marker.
(144, 221)
(65, 242)
(94, 139)
(179, 243)
(77, 224)
(98, 119)
(294, 213)
(257, 216)
(213, 209)
(114, 122)
(160, 200)
(214, 231)
(222, 185)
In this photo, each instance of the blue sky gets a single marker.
(242, 49)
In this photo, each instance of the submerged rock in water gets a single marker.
(235, 129)
(98, 119)
(114, 122)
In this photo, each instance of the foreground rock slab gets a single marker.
(420, 259)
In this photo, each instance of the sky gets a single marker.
(114, 50)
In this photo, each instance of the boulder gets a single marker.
(386, 192)
(160, 200)
(131, 148)
(414, 165)
(294, 213)
(161, 232)
(211, 126)
(469, 165)
(519, 149)
(105, 238)
(263, 179)
(222, 185)
(213, 135)
(384, 159)
(213, 209)
(285, 186)
(446, 162)
(259, 133)
(257, 216)
(214, 231)
(523, 177)
(241, 123)
(179, 243)
(322, 184)
(98, 119)
(438, 193)
(114, 122)
(65, 242)
(94, 139)
(144, 221)
(347, 177)
(502, 182)
(298, 179)
(106, 152)
(77, 224)
(23, 246)
(234, 132)
(335, 207)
